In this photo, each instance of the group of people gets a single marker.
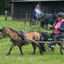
(58, 27)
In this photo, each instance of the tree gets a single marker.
(5, 4)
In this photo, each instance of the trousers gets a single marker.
(54, 37)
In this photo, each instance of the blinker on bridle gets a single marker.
(4, 33)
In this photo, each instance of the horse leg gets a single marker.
(52, 25)
(21, 50)
(10, 50)
(38, 45)
(42, 24)
(42, 47)
(34, 46)
(46, 26)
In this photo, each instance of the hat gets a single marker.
(60, 14)
(37, 6)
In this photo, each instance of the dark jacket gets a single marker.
(34, 13)
(61, 29)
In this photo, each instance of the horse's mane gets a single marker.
(17, 30)
(13, 29)
(31, 31)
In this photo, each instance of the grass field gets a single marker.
(15, 58)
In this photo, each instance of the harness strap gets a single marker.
(17, 36)
(33, 35)
(4, 33)
(14, 36)
(37, 36)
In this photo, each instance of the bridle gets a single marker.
(4, 33)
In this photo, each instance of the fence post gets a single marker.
(5, 15)
(25, 22)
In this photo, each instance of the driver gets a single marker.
(59, 29)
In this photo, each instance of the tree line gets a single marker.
(4, 5)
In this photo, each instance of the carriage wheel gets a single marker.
(32, 23)
(62, 48)
(47, 47)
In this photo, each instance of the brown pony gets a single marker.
(13, 35)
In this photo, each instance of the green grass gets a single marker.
(15, 58)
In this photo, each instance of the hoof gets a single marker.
(44, 50)
(33, 54)
(21, 54)
(41, 53)
(7, 54)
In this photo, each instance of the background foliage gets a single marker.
(2, 6)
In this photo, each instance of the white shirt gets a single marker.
(37, 12)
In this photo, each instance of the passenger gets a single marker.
(37, 13)
(59, 29)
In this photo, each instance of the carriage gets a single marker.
(33, 39)
(45, 20)
(59, 41)
(47, 43)
(30, 39)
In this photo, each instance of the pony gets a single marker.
(48, 19)
(31, 38)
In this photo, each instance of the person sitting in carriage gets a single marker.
(37, 13)
(59, 30)
(58, 33)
